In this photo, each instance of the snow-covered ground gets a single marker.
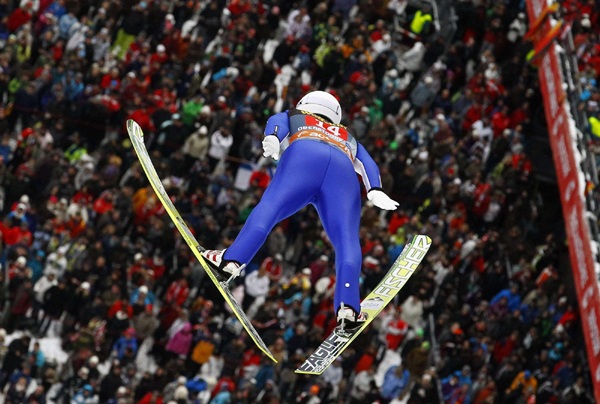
(51, 348)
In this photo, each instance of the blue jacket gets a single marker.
(265, 373)
(196, 385)
(392, 385)
(514, 300)
(40, 359)
(122, 344)
(56, 9)
(65, 23)
(461, 379)
(149, 297)
(223, 397)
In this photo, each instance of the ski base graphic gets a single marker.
(373, 304)
(137, 139)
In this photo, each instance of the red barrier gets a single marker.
(567, 171)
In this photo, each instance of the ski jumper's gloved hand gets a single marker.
(271, 146)
(381, 200)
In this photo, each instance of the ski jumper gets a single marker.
(317, 166)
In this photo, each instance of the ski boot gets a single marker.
(226, 271)
(348, 321)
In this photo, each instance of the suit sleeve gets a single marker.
(278, 125)
(366, 167)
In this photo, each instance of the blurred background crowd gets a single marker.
(103, 302)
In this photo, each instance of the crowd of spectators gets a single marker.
(89, 256)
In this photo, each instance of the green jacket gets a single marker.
(190, 111)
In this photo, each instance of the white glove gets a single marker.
(271, 147)
(381, 200)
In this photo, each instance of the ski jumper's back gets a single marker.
(295, 125)
(306, 126)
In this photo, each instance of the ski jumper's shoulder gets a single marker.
(278, 125)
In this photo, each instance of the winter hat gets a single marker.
(181, 393)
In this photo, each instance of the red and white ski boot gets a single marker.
(227, 270)
(347, 319)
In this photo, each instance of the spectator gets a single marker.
(395, 381)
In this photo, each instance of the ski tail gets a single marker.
(409, 260)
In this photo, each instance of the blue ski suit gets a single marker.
(318, 166)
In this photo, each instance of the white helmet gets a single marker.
(321, 103)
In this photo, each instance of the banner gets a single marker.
(571, 192)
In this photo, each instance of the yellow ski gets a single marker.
(137, 139)
(406, 264)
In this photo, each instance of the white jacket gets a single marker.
(257, 286)
(41, 286)
(59, 264)
(412, 312)
(212, 368)
(74, 208)
(361, 385)
(219, 145)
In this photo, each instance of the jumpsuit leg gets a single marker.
(338, 204)
(295, 184)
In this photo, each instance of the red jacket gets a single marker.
(503, 349)
(395, 339)
(225, 381)
(159, 58)
(84, 197)
(142, 117)
(101, 206)
(260, 179)
(238, 7)
(75, 228)
(107, 81)
(275, 271)
(499, 123)
(178, 293)
(118, 306)
(251, 358)
(396, 222)
(17, 19)
(18, 236)
(146, 399)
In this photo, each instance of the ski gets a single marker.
(402, 269)
(137, 139)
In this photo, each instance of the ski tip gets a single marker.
(268, 353)
(134, 128)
